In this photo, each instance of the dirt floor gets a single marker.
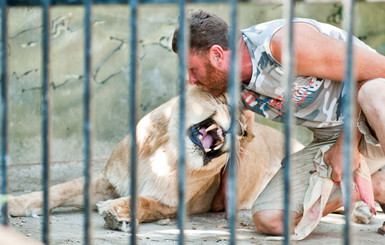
(211, 228)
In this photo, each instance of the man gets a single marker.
(317, 94)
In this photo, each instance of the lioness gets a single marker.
(207, 152)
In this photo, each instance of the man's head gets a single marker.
(206, 30)
(208, 58)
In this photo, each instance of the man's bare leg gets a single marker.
(371, 98)
(271, 221)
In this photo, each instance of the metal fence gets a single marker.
(45, 4)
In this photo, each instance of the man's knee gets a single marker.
(371, 93)
(269, 221)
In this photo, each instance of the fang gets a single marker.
(217, 147)
(212, 127)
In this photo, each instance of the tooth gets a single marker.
(212, 126)
(200, 137)
(217, 147)
(220, 134)
(207, 150)
(219, 142)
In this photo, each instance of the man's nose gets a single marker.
(192, 78)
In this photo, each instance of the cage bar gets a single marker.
(87, 127)
(288, 62)
(4, 110)
(348, 110)
(132, 113)
(234, 97)
(80, 2)
(182, 96)
(45, 119)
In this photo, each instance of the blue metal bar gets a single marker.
(4, 109)
(132, 120)
(182, 133)
(79, 2)
(234, 97)
(45, 119)
(289, 67)
(348, 109)
(87, 121)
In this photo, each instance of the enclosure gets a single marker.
(157, 79)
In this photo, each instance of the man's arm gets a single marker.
(321, 56)
(334, 156)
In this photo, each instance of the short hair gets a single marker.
(206, 30)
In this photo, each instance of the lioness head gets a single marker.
(207, 124)
(207, 143)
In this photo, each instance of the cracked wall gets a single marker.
(110, 57)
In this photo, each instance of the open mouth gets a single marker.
(210, 138)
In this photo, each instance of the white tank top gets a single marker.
(317, 101)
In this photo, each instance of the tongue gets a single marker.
(207, 139)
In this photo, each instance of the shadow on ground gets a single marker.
(210, 228)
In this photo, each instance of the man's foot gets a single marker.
(362, 213)
(383, 207)
(218, 204)
(381, 230)
(219, 201)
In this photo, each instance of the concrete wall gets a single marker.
(157, 74)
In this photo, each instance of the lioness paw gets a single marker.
(19, 207)
(116, 214)
(114, 223)
(111, 206)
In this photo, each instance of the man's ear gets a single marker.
(216, 55)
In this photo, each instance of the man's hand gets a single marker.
(334, 157)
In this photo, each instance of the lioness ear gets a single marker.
(216, 55)
(249, 124)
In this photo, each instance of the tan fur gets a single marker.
(157, 167)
